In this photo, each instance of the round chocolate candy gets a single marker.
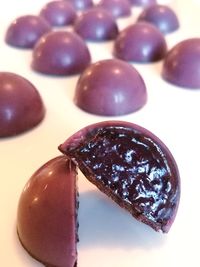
(60, 53)
(130, 165)
(21, 107)
(118, 8)
(141, 42)
(182, 64)
(47, 214)
(143, 2)
(163, 17)
(58, 13)
(109, 88)
(96, 24)
(81, 4)
(25, 31)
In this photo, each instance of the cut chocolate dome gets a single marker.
(132, 166)
(47, 214)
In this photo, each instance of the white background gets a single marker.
(109, 236)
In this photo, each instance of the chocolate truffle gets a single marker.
(118, 8)
(109, 88)
(182, 64)
(130, 165)
(58, 13)
(163, 17)
(142, 3)
(60, 53)
(47, 214)
(81, 4)
(25, 31)
(141, 42)
(21, 106)
(96, 24)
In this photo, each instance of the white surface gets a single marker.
(109, 236)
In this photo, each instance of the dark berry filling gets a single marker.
(132, 169)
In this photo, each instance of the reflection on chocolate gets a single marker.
(109, 88)
(132, 166)
(96, 24)
(118, 8)
(182, 64)
(141, 42)
(81, 4)
(25, 31)
(60, 53)
(58, 13)
(21, 107)
(163, 17)
(47, 213)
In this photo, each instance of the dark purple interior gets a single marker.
(138, 172)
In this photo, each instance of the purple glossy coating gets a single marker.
(81, 4)
(109, 88)
(142, 2)
(141, 42)
(25, 31)
(60, 53)
(118, 8)
(21, 107)
(163, 17)
(46, 219)
(182, 64)
(96, 24)
(132, 166)
(58, 13)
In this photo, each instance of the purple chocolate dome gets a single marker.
(143, 2)
(46, 219)
(25, 31)
(96, 24)
(130, 165)
(81, 4)
(118, 8)
(60, 53)
(182, 64)
(141, 42)
(21, 107)
(58, 13)
(163, 17)
(110, 88)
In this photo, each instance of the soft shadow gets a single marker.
(102, 222)
(157, 67)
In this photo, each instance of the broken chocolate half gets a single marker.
(130, 165)
(47, 214)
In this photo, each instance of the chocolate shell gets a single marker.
(47, 214)
(130, 165)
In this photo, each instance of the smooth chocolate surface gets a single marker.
(141, 42)
(181, 65)
(47, 214)
(26, 30)
(21, 106)
(162, 16)
(60, 53)
(109, 88)
(96, 24)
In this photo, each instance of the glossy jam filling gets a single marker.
(131, 167)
